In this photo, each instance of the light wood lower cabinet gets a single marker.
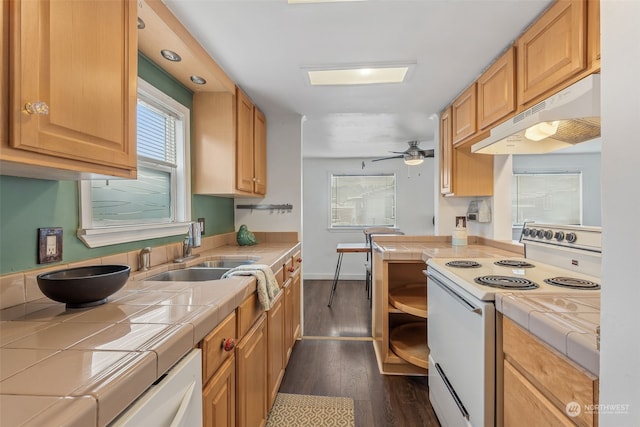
(543, 386)
(275, 347)
(400, 316)
(219, 397)
(251, 379)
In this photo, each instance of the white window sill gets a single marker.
(98, 237)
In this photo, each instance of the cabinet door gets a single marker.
(296, 292)
(288, 318)
(80, 59)
(275, 347)
(219, 397)
(463, 114)
(4, 72)
(251, 380)
(496, 90)
(522, 401)
(259, 152)
(244, 135)
(552, 50)
(593, 34)
(446, 145)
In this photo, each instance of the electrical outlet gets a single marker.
(201, 221)
(49, 245)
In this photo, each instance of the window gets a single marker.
(548, 198)
(363, 201)
(157, 203)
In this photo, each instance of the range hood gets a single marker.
(567, 118)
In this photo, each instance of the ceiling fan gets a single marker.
(413, 155)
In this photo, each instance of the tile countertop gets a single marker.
(82, 367)
(566, 322)
(407, 248)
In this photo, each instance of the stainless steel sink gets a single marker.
(193, 274)
(225, 263)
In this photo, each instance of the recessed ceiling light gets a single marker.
(358, 76)
(198, 80)
(170, 55)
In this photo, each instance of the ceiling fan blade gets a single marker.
(398, 152)
(427, 153)
(387, 158)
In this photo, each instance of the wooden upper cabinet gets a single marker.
(552, 50)
(78, 61)
(4, 73)
(496, 90)
(445, 151)
(463, 115)
(593, 35)
(259, 152)
(244, 149)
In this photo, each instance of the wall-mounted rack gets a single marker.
(284, 207)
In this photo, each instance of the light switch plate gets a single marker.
(49, 245)
(201, 221)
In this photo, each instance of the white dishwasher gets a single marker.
(173, 401)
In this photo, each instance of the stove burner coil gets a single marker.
(572, 282)
(514, 263)
(506, 282)
(463, 263)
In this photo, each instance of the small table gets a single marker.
(343, 248)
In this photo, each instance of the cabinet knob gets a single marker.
(299, 260)
(291, 269)
(228, 344)
(37, 107)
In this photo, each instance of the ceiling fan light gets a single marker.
(413, 160)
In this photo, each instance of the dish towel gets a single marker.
(267, 284)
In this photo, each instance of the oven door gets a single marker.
(461, 331)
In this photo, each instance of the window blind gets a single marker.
(156, 134)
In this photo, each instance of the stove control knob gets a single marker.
(559, 236)
(525, 231)
(548, 234)
(540, 234)
(571, 237)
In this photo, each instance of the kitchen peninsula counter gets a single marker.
(407, 248)
(82, 367)
(399, 302)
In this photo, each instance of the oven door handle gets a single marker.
(453, 393)
(469, 306)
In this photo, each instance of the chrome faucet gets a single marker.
(144, 261)
(186, 247)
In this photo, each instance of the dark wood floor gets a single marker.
(343, 363)
(348, 316)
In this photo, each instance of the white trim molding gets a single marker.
(98, 237)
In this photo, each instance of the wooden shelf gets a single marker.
(409, 342)
(411, 298)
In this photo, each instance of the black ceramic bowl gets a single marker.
(84, 286)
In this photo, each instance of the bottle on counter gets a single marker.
(459, 236)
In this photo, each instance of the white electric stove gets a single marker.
(559, 259)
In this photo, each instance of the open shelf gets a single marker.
(409, 342)
(410, 298)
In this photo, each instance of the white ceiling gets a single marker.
(265, 45)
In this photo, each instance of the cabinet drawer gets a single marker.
(248, 312)
(558, 378)
(213, 353)
(522, 401)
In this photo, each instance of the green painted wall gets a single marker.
(28, 204)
